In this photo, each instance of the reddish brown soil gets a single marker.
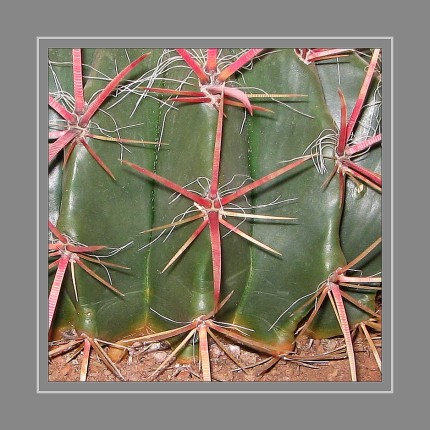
(143, 362)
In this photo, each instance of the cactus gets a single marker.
(198, 194)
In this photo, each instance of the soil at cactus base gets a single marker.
(141, 365)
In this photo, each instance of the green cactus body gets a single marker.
(270, 293)
(362, 215)
(309, 246)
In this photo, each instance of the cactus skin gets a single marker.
(87, 204)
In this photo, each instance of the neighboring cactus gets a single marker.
(262, 193)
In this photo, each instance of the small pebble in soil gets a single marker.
(234, 350)
(160, 356)
(215, 351)
(329, 344)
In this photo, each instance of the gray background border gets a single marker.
(385, 44)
